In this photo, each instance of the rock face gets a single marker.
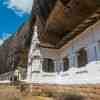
(14, 51)
(43, 8)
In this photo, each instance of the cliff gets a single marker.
(14, 51)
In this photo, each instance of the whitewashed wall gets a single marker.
(88, 40)
(87, 74)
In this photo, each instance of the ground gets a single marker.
(49, 92)
(13, 93)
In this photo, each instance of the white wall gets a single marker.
(88, 40)
(87, 74)
(50, 53)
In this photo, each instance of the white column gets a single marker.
(55, 65)
(70, 61)
(73, 55)
(59, 66)
(92, 53)
(98, 50)
(73, 59)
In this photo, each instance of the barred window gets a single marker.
(65, 64)
(48, 65)
(82, 57)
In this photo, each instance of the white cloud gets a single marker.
(4, 37)
(1, 41)
(20, 7)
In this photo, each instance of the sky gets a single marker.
(13, 13)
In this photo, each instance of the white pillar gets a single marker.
(29, 73)
(98, 50)
(70, 61)
(73, 59)
(92, 53)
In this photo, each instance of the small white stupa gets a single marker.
(34, 59)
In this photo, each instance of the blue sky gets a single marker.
(12, 14)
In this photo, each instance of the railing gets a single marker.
(6, 76)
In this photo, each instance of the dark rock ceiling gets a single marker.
(60, 18)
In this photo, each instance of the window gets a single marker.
(82, 57)
(65, 64)
(48, 65)
(99, 45)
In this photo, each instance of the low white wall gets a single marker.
(6, 76)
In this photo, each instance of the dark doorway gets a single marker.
(65, 64)
(82, 57)
(48, 65)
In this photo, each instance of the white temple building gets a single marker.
(65, 44)
(76, 62)
(65, 47)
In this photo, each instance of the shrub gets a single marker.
(47, 94)
(69, 96)
(22, 88)
(11, 98)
